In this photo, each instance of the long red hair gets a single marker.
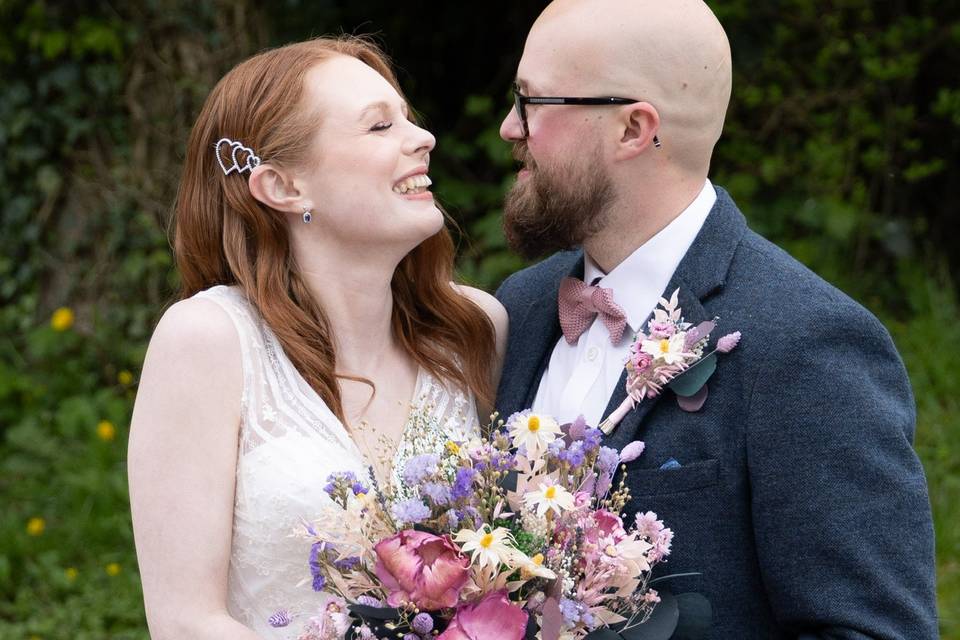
(222, 235)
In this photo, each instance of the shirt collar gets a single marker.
(646, 272)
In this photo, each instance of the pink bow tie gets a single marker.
(580, 304)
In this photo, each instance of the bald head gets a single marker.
(673, 54)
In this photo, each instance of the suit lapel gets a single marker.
(700, 274)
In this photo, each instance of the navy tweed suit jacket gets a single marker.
(799, 498)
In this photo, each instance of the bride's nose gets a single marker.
(420, 141)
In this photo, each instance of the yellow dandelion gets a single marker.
(35, 526)
(112, 569)
(62, 319)
(71, 573)
(125, 378)
(106, 431)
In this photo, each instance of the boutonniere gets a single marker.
(671, 353)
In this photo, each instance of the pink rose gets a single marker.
(421, 568)
(641, 361)
(606, 525)
(660, 330)
(493, 618)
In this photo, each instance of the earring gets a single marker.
(656, 142)
(307, 215)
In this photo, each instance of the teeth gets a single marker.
(413, 183)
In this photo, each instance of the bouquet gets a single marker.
(515, 535)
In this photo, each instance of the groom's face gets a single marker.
(563, 189)
(556, 203)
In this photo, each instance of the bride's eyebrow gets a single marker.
(383, 107)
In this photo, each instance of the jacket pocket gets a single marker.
(655, 482)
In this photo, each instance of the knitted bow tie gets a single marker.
(581, 303)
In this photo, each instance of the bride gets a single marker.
(318, 319)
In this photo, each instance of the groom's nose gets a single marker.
(510, 129)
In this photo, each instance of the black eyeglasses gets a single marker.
(521, 101)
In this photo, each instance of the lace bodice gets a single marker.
(290, 441)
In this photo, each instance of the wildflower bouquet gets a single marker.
(514, 535)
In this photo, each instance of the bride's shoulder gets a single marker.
(196, 331)
(489, 304)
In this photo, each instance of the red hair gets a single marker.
(222, 235)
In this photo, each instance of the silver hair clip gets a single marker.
(252, 161)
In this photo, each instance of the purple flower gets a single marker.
(280, 619)
(632, 451)
(339, 482)
(607, 460)
(693, 337)
(577, 429)
(347, 564)
(318, 579)
(574, 454)
(555, 448)
(419, 467)
(728, 343)
(503, 461)
(358, 488)
(370, 601)
(452, 518)
(438, 493)
(463, 484)
(570, 609)
(410, 511)
(422, 623)
(591, 439)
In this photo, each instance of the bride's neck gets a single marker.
(357, 299)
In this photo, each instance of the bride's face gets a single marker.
(369, 161)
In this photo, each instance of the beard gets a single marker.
(555, 209)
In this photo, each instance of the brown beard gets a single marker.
(555, 209)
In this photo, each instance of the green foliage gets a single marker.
(841, 145)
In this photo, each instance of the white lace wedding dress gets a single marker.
(290, 441)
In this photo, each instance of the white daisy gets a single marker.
(531, 567)
(534, 431)
(488, 547)
(670, 350)
(549, 497)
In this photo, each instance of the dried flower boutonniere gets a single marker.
(672, 353)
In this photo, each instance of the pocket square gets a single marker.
(670, 464)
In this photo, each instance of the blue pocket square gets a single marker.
(670, 464)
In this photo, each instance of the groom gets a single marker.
(793, 490)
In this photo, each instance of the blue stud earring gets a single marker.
(307, 216)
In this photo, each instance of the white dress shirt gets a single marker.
(580, 378)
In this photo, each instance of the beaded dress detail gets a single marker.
(290, 441)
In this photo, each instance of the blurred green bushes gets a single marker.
(841, 145)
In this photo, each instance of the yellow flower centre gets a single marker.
(486, 540)
(664, 346)
(537, 559)
(62, 319)
(452, 447)
(550, 493)
(105, 430)
(533, 424)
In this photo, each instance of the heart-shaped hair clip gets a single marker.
(232, 149)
